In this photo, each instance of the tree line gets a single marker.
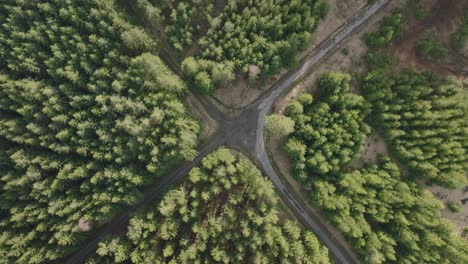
(225, 211)
(87, 117)
(328, 133)
(386, 217)
(424, 118)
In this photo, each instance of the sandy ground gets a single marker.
(460, 196)
(242, 92)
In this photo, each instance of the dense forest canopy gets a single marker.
(265, 33)
(388, 219)
(425, 120)
(227, 39)
(87, 117)
(226, 212)
(329, 132)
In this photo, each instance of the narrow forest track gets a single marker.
(245, 132)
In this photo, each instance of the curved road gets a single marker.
(246, 132)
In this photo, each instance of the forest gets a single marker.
(460, 37)
(329, 132)
(387, 218)
(381, 208)
(221, 40)
(87, 117)
(424, 118)
(225, 211)
(384, 215)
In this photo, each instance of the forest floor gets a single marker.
(443, 18)
(241, 92)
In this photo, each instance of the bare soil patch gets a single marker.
(459, 196)
(444, 18)
(374, 146)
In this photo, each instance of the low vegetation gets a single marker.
(279, 125)
(460, 37)
(224, 212)
(454, 207)
(390, 29)
(87, 117)
(429, 47)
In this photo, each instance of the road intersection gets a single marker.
(245, 133)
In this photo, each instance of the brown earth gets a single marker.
(444, 18)
(459, 196)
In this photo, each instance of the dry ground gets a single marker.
(459, 196)
(444, 19)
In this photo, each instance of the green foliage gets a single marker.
(454, 207)
(263, 33)
(414, 8)
(136, 39)
(184, 19)
(390, 29)
(87, 117)
(203, 83)
(424, 118)
(148, 10)
(225, 212)
(387, 219)
(429, 47)
(376, 59)
(329, 133)
(206, 75)
(279, 125)
(460, 37)
(345, 51)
